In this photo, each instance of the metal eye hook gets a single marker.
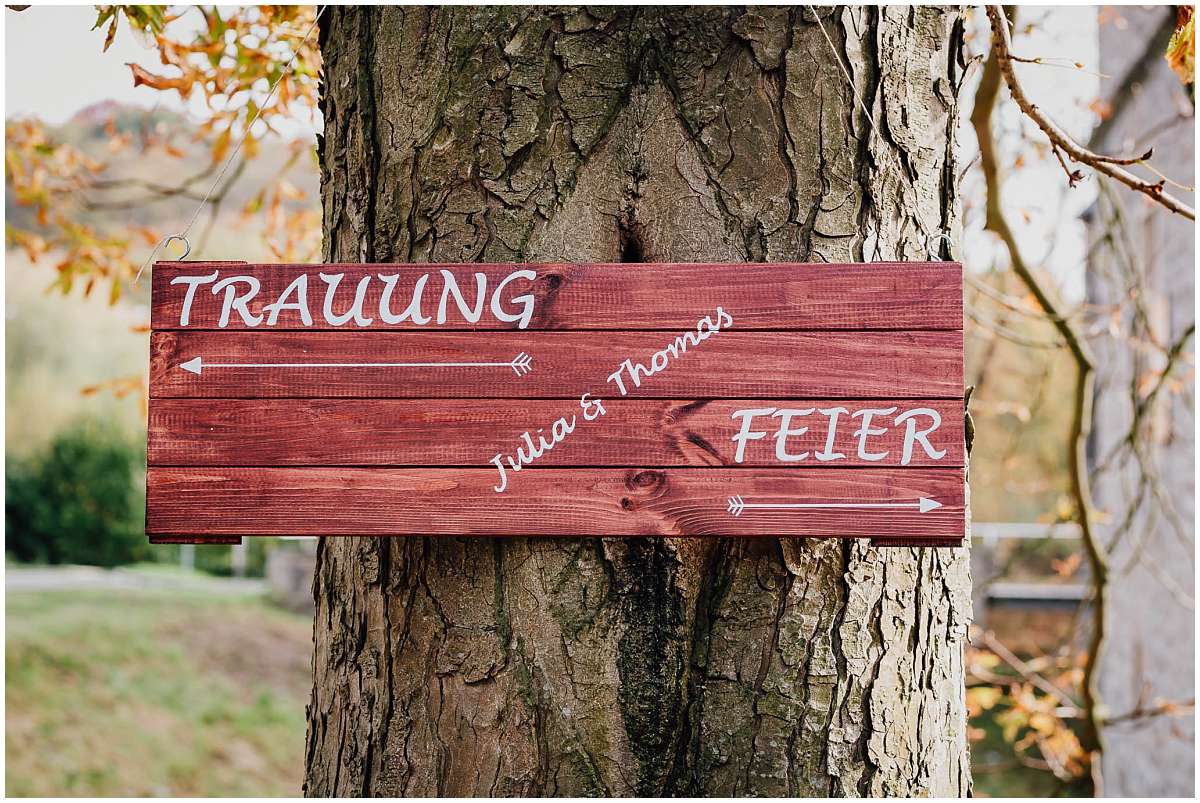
(163, 243)
(187, 247)
(932, 244)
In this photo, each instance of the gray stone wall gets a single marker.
(1148, 491)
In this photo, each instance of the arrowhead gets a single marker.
(928, 505)
(195, 366)
(520, 364)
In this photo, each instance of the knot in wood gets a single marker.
(647, 482)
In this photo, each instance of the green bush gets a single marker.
(79, 501)
(217, 559)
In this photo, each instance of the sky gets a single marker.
(54, 64)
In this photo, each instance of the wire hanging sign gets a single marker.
(181, 236)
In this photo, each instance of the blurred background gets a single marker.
(179, 670)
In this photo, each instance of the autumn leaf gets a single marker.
(984, 660)
(111, 35)
(982, 698)
(1068, 565)
(290, 192)
(1181, 50)
(120, 387)
(221, 145)
(107, 14)
(143, 77)
(1011, 723)
(255, 204)
(1101, 108)
(149, 19)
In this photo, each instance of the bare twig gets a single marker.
(1060, 140)
(1013, 303)
(998, 328)
(1174, 354)
(989, 640)
(1159, 709)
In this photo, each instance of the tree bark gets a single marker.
(653, 666)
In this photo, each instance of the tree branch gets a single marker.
(1163, 708)
(1060, 140)
(981, 120)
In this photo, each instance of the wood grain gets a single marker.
(885, 295)
(729, 364)
(468, 432)
(551, 502)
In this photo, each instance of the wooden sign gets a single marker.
(557, 400)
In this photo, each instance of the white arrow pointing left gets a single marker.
(519, 364)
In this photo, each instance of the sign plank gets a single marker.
(555, 365)
(883, 295)
(558, 502)
(659, 433)
(554, 400)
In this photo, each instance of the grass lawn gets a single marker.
(152, 693)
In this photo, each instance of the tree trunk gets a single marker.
(518, 666)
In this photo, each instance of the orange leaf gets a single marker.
(143, 77)
(220, 146)
(1181, 50)
(1068, 565)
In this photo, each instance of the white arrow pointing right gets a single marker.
(736, 505)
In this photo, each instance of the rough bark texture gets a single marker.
(651, 666)
(1149, 655)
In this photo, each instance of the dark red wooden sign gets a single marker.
(611, 400)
